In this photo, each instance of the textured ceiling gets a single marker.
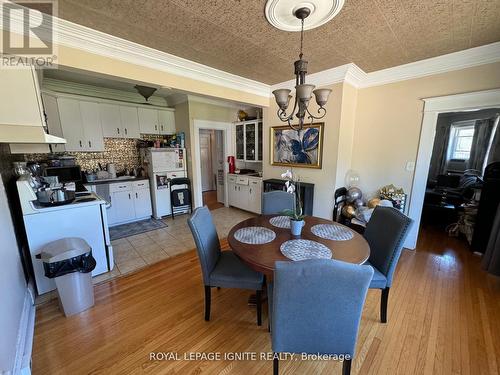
(234, 36)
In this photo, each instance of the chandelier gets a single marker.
(303, 91)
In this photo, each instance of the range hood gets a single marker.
(22, 119)
(27, 134)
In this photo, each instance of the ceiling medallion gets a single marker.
(303, 91)
(281, 13)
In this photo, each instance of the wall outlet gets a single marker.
(410, 166)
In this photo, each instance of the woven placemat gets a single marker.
(280, 221)
(332, 232)
(305, 249)
(254, 235)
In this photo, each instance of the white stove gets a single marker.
(85, 217)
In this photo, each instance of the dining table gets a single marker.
(262, 240)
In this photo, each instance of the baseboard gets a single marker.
(24, 345)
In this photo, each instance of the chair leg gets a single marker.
(276, 366)
(346, 367)
(207, 302)
(259, 307)
(383, 305)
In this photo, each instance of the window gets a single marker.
(461, 142)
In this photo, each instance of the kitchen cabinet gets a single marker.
(249, 141)
(119, 121)
(76, 120)
(156, 121)
(245, 192)
(166, 121)
(130, 201)
(148, 120)
(130, 122)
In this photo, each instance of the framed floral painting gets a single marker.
(297, 148)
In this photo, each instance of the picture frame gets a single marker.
(297, 148)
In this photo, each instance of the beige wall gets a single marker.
(389, 119)
(324, 178)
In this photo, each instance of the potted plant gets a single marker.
(296, 215)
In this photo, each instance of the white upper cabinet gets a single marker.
(130, 121)
(166, 121)
(71, 124)
(110, 120)
(92, 129)
(78, 121)
(148, 120)
(156, 121)
(119, 121)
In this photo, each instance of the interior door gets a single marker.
(71, 124)
(206, 161)
(92, 129)
(129, 121)
(110, 120)
(148, 120)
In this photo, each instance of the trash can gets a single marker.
(69, 262)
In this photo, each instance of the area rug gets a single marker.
(138, 227)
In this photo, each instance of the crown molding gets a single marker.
(84, 38)
(470, 100)
(80, 37)
(487, 54)
(354, 75)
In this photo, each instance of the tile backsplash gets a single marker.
(122, 152)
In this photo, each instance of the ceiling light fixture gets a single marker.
(303, 91)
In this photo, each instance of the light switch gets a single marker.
(410, 166)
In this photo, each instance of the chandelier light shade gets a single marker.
(303, 91)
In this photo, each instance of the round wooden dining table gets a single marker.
(262, 257)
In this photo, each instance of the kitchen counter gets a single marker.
(115, 180)
(251, 175)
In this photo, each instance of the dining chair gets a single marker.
(276, 201)
(385, 233)
(221, 269)
(316, 308)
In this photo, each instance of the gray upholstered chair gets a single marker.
(221, 268)
(386, 232)
(275, 202)
(316, 307)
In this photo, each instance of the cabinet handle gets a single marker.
(81, 144)
(162, 127)
(129, 197)
(156, 127)
(250, 190)
(90, 144)
(118, 130)
(136, 195)
(126, 131)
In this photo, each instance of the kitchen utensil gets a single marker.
(34, 168)
(47, 196)
(111, 168)
(20, 168)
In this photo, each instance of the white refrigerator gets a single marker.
(163, 165)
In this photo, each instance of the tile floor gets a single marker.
(138, 251)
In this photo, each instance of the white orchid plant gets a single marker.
(293, 187)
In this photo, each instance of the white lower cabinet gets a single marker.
(130, 201)
(245, 193)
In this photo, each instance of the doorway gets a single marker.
(212, 143)
(212, 167)
(433, 107)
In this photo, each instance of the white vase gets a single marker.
(296, 226)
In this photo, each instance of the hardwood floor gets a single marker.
(444, 318)
(210, 200)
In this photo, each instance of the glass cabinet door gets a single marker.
(259, 141)
(240, 145)
(250, 151)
